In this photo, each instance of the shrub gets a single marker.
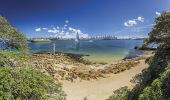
(14, 59)
(120, 94)
(27, 83)
(153, 92)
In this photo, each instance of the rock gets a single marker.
(68, 67)
(61, 73)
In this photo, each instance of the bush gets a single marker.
(14, 59)
(27, 83)
(120, 94)
(165, 79)
(159, 89)
(153, 92)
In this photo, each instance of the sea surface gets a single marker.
(98, 50)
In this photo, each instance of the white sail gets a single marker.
(77, 39)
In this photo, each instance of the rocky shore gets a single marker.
(69, 67)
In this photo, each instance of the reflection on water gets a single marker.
(77, 44)
(99, 50)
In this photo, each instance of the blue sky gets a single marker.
(41, 18)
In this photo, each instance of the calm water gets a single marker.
(99, 50)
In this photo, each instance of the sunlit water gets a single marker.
(99, 50)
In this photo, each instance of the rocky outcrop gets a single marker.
(68, 67)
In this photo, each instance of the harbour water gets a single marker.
(98, 50)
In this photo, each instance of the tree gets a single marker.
(160, 34)
(11, 36)
(154, 82)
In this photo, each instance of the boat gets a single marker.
(40, 40)
(90, 40)
(77, 39)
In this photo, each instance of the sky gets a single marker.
(64, 18)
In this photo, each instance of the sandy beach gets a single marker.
(102, 88)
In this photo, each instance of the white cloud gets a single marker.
(58, 27)
(75, 30)
(137, 30)
(53, 30)
(38, 29)
(141, 19)
(44, 28)
(130, 23)
(66, 31)
(70, 28)
(157, 13)
(71, 33)
(66, 21)
(153, 24)
(133, 22)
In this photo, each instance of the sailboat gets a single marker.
(90, 40)
(77, 39)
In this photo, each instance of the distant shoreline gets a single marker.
(30, 40)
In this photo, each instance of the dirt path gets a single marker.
(102, 88)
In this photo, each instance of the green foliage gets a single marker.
(85, 98)
(144, 47)
(120, 94)
(152, 92)
(165, 79)
(159, 89)
(20, 84)
(146, 94)
(154, 82)
(19, 81)
(160, 32)
(157, 65)
(16, 39)
(13, 59)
